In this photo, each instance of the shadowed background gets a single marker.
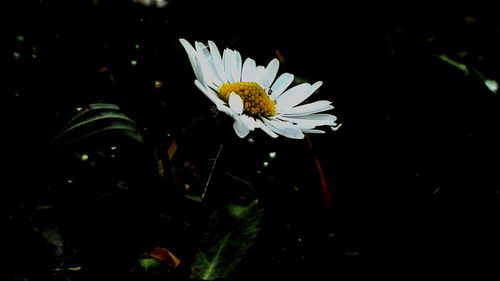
(412, 173)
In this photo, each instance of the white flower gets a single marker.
(246, 92)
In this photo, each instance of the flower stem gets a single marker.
(211, 173)
(324, 183)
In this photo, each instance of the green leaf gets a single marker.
(453, 63)
(90, 110)
(100, 116)
(491, 84)
(95, 120)
(149, 264)
(231, 234)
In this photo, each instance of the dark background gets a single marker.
(413, 172)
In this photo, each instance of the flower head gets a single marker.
(252, 96)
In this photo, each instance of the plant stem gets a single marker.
(211, 172)
(324, 183)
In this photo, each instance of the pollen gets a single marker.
(256, 102)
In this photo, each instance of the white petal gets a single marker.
(212, 95)
(283, 81)
(236, 103)
(240, 128)
(311, 121)
(264, 128)
(200, 74)
(289, 97)
(259, 73)
(227, 58)
(232, 65)
(192, 59)
(224, 108)
(219, 66)
(213, 71)
(207, 65)
(309, 108)
(304, 126)
(268, 76)
(189, 50)
(313, 131)
(248, 72)
(336, 127)
(237, 66)
(249, 122)
(199, 46)
(285, 129)
(296, 95)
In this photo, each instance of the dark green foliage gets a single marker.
(96, 120)
(230, 234)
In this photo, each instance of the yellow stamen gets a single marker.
(256, 101)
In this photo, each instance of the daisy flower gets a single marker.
(252, 96)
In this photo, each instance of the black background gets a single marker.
(413, 172)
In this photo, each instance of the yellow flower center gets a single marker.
(256, 102)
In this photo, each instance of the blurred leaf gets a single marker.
(227, 241)
(453, 63)
(94, 120)
(89, 110)
(54, 238)
(492, 85)
(165, 256)
(150, 264)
